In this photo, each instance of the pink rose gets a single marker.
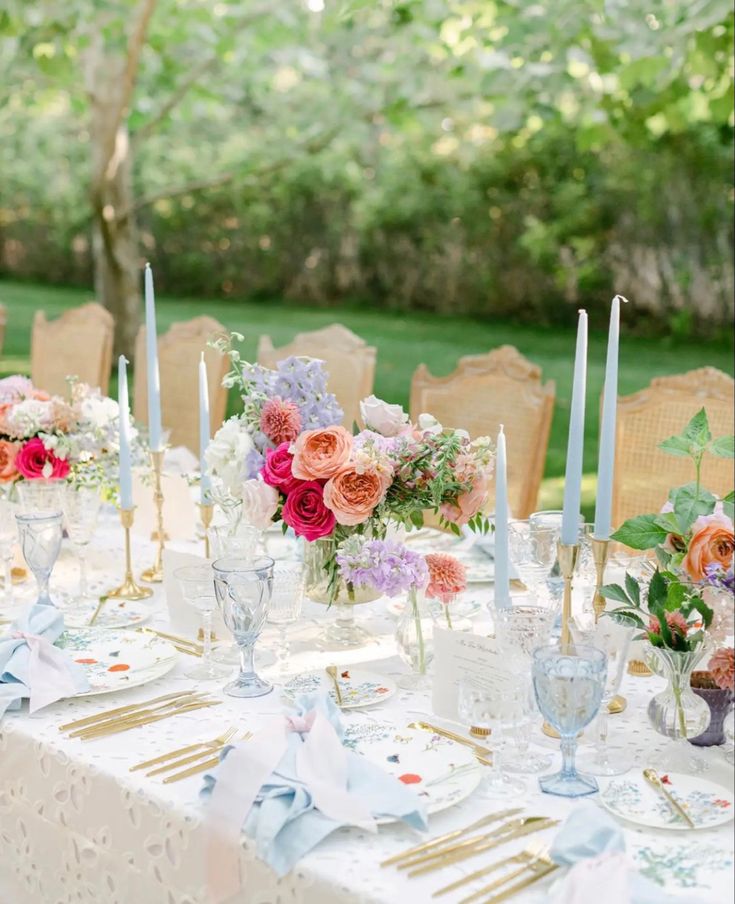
(318, 454)
(276, 471)
(35, 461)
(469, 503)
(352, 495)
(305, 512)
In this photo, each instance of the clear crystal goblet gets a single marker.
(197, 588)
(81, 507)
(41, 495)
(243, 590)
(40, 540)
(285, 608)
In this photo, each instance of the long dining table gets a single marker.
(77, 825)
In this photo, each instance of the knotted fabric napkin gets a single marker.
(290, 787)
(31, 666)
(593, 845)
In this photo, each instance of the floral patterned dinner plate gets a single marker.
(359, 687)
(114, 614)
(439, 770)
(632, 798)
(114, 660)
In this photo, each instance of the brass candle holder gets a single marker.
(129, 590)
(154, 574)
(600, 549)
(206, 513)
(568, 554)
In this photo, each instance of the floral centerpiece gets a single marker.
(688, 610)
(44, 437)
(289, 458)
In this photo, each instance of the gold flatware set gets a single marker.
(191, 754)
(125, 718)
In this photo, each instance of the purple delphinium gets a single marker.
(386, 565)
(720, 578)
(302, 381)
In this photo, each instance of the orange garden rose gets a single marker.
(712, 543)
(319, 454)
(8, 454)
(353, 496)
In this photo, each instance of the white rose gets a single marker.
(259, 502)
(226, 454)
(383, 418)
(99, 411)
(427, 423)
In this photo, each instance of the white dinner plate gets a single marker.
(359, 687)
(114, 660)
(632, 798)
(439, 770)
(114, 614)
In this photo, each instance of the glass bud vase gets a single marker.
(677, 712)
(323, 585)
(415, 638)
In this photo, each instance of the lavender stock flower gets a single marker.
(720, 578)
(386, 565)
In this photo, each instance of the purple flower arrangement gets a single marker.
(386, 565)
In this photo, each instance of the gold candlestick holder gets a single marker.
(567, 555)
(600, 549)
(206, 513)
(154, 574)
(129, 590)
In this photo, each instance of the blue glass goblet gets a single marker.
(569, 683)
(40, 539)
(243, 589)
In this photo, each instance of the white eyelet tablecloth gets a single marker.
(77, 827)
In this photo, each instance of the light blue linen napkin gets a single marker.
(285, 823)
(30, 666)
(592, 845)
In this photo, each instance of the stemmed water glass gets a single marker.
(238, 540)
(520, 630)
(8, 535)
(569, 683)
(81, 506)
(197, 588)
(40, 541)
(243, 590)
(614, 639)
(533, 550)
(484, 707)
(285, 608)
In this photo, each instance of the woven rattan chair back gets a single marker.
(79, 344)
(179, 352)
(643, 473)
(500, 387)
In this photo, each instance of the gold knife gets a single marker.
(135, 714)
(535, 824)
(445, 733)
(510, 826)
(450, 836)
(653, 778)
(118, 711)
(119, 727)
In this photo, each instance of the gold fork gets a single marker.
(200, 767)
(534, 851)
(193, 757)
(539, 870)
(182, 751)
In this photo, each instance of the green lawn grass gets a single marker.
(404, 341)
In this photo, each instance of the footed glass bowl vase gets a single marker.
(323, 585)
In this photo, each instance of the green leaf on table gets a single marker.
(697, 430)
(615, 592)
(633, 588)
(689, 503)
(640, 532)
(723, 447)
(676, 445)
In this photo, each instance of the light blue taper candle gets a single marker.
(606, 459)
(153, 378)
(126, 475)
(502, 576)
(204, 429)
(575, 444)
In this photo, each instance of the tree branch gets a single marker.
(178, 95)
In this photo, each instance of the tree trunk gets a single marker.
(114, 239)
